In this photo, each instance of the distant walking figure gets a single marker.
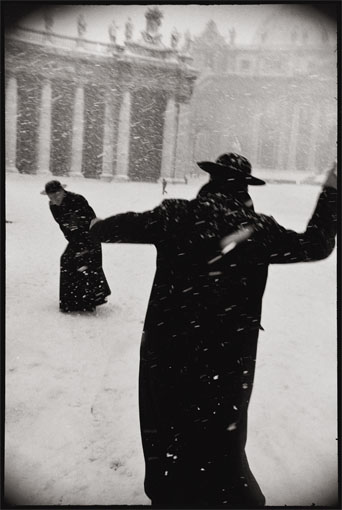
(83, 285)
(199, 344)
(164, 184)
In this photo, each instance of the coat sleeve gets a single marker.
(81, 217)
(144, 228)
(316, 243)
(75, 224)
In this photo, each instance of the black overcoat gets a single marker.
(199, 342)
(83, 284)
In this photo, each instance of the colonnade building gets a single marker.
(275, 100)
(142, 110)
(75, 107)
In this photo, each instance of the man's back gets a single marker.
(193, 272)
(199, 344)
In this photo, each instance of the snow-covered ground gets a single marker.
(72, 424)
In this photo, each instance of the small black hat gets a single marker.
(231, 167)
(52, 187)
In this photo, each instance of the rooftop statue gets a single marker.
(112, 31)
(153, 21)
(188, 42)
(48, 21)
(232, 36)
(129, 30)
(48, 24)
(81, 25)
(174, 38)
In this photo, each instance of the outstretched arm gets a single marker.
(128, 227)
(318, 240)
(149, 227)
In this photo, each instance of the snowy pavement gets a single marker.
(72, 423)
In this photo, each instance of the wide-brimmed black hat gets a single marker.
(231, 167)
(52, 187)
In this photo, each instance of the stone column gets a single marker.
(108, 140)
(312, 163)
(291, 162)
(123, 137)
(44, 140)
(283, 132)
(11, 111)
(182, 147)
(255, 139)
(169, 139)
(77, 134)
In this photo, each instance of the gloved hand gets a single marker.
(331, 179)
(93, 221)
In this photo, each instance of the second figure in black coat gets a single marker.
(83, 285)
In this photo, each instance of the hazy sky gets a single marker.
(245, 19)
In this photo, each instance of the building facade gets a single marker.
(274, 101)
(145, 111)
(75, 107)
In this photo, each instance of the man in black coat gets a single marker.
(83, 285)
(199, 343)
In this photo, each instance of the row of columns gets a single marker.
(11, 113)
(288, 138)
(175, 128)
(294, 143)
